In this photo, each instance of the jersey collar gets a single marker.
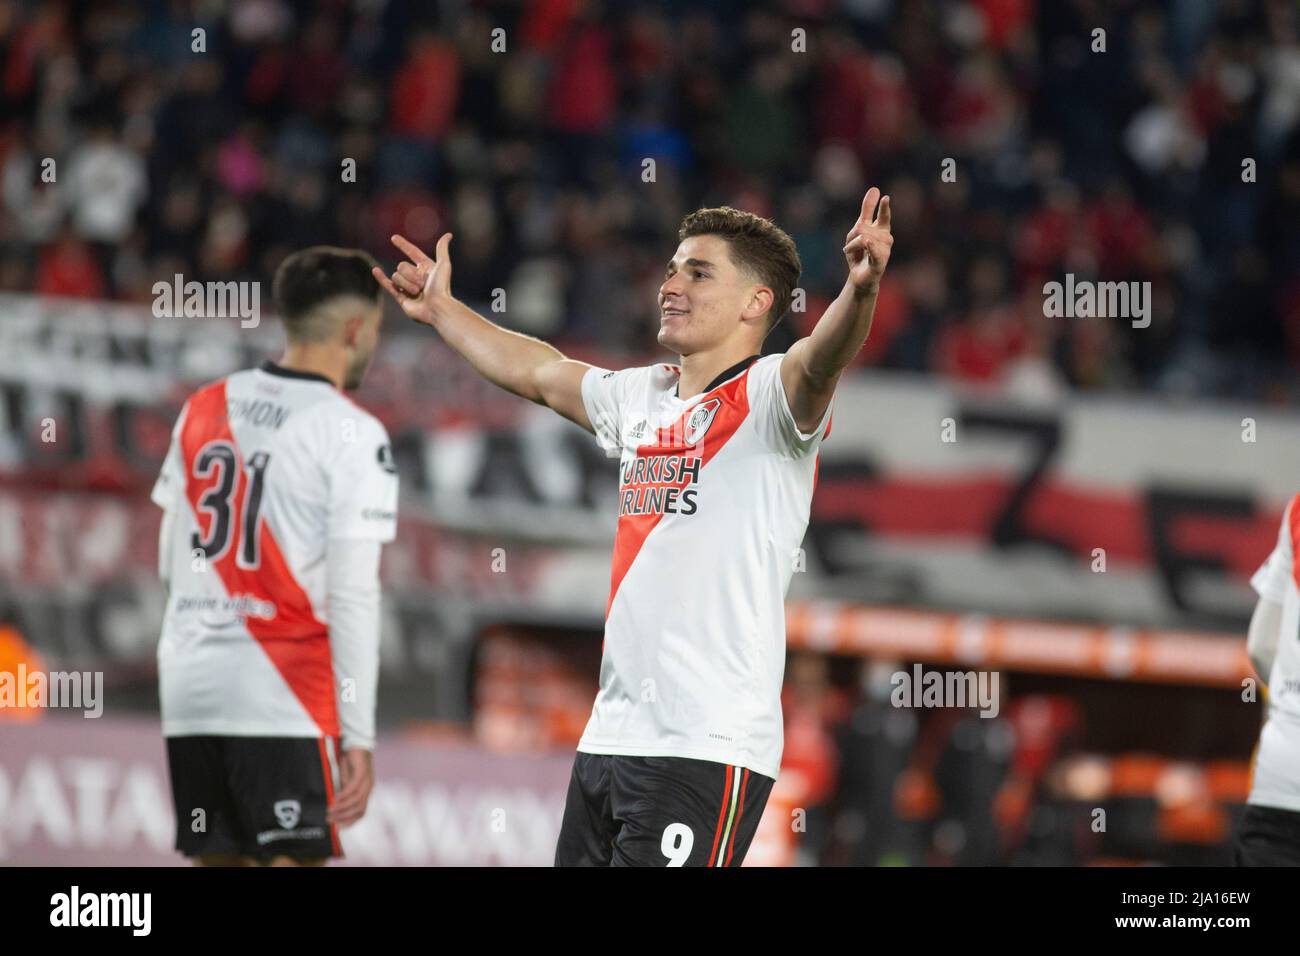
(270, 368)
(722, 376)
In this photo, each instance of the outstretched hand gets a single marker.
(868, 243)
(420, 285)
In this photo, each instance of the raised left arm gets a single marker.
(812, 366)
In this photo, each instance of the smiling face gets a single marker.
(705, 299)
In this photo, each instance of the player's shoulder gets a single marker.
(205, 404)
(764, 369)
(341, 405)
(637, 371)
(210, 391)
(339, 433)
(661, 375)
(344, 417)
(627, 380)
(767, 363)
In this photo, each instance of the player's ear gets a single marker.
(760, 300)
(352, 327)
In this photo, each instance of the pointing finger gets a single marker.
(385, 283)
(413, 252)
(869, 204)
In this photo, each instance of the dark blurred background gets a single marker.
(1119, 165)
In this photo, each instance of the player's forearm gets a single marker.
(507, 359)
(839, 333)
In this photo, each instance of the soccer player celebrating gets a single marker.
(718, 462)
(278, 493)
(1269, 831)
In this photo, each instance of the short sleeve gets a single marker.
(770, 408)
(363, 483)
(171, 477)
(604, 395)
(1273, 579)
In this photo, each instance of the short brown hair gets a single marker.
(758, 246)
(313, 277)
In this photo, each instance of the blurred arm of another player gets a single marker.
(521, 364)
(1271, 582)
(165, 547)
(1262, 638)
(812, 366)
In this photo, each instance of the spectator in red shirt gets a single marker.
(426, 88)
(584, 89)
(68, 267)
(1118, 231)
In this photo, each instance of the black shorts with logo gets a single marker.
(1267, 836)
(258, 797)
(659, 811)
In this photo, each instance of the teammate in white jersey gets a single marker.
(277, 494)
(1269, 831)
(718, 460)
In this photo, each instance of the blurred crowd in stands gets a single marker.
(1116, 141)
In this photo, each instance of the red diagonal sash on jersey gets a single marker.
(295, 640)
(634, 529)
(1293, 518)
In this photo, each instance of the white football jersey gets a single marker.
(1276, 781)
(265, 467)
(714, 497)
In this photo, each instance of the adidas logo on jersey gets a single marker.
(638, 430)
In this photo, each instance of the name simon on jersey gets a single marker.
(256, 412)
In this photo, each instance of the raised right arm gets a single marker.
(526, 366)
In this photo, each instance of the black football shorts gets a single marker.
(659, 811)
(258, 797)
(1267, 836)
